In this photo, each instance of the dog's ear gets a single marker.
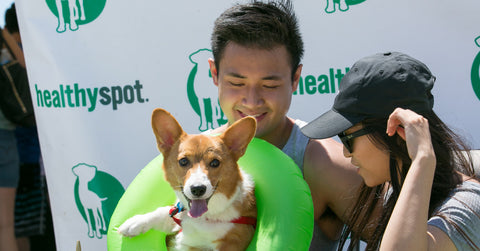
(238, 136)
(166, 129)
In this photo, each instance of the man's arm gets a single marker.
(333, 182)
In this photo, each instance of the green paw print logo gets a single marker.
(202, 93)
(342, 5)
(475, 74)
(72, 13)
(96, 196)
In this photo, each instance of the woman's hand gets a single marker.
(413, 128)
(407, 228)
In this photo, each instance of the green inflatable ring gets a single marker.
(284, 204)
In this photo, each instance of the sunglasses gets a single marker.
(347, 140)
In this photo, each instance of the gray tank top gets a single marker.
(296, 144)
(295, 148)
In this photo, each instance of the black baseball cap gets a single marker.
(373, 88)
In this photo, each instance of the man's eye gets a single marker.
(183, 162)
(215, 163)
(236, 84)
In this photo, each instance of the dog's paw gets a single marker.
(134, 226)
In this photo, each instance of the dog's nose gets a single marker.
(198, 190)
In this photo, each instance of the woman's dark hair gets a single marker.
(451, 156)
(259, 25)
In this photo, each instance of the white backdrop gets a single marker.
(95, 81)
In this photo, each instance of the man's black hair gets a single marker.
(261, 25)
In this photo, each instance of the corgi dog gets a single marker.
(216, 206)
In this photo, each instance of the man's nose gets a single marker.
(253, 96)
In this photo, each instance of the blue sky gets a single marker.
(4, 5)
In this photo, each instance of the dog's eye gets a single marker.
(215, 163)
(183, 162)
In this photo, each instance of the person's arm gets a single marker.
(407, 228)
(16, 50)
(333, 182)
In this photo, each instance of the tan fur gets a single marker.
(201, 150)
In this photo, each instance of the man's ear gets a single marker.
(166, 129)
(213, 71)
(296, 77)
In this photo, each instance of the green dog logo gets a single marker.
(475, 73)
(75, 12)
(202, 93)
(343, 5)
(96, 196)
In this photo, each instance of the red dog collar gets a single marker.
(246, 220)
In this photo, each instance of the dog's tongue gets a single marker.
(197, 208)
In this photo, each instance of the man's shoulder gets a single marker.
(324, 149)
(323, 152)
(330, 175)
(324, 159)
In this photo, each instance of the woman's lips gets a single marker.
(357, 167)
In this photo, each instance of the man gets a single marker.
(257, 48)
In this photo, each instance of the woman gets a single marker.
(9, 162)
(420, 192)
(18, 146)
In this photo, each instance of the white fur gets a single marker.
(201, 231)
(216, 219)
(219, 205)
(198, 178)
(158, 219)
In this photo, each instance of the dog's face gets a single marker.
(200, 167)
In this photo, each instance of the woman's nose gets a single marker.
(346, 153)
